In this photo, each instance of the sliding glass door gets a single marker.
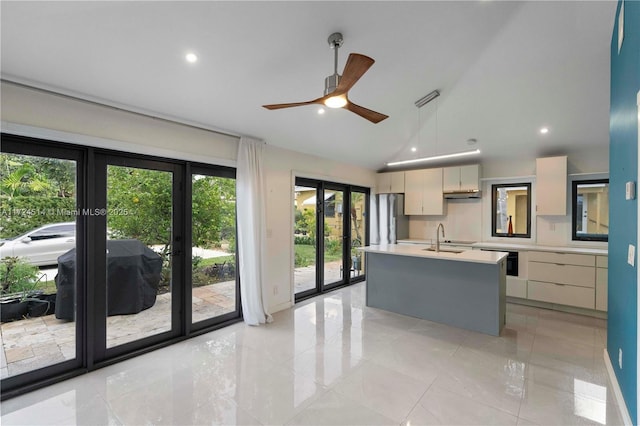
(214, 280)
(330, 223)
(138, 287)
(105, 254)
(42, 231)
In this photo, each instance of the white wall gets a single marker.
(36, 113)
(282, 168)
(471, 219)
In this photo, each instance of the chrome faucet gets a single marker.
(438, 236)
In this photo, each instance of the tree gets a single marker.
(213, 205)
(140, 203)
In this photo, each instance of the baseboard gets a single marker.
(616, 390)
(556, 307)
(280, 307)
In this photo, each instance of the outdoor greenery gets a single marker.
(35, 191)
(17, 276)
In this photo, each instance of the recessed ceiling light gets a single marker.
(472, 141)
(191, 57)
(414, 149)
(544, 130)
(320, 111)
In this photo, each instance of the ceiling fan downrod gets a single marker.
(335, 40)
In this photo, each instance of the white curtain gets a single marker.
(251, 213)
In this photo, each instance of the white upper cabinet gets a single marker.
(423, 192)
(390, 183)
(551, 186)
(461, 178)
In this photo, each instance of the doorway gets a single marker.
(124, 253)
(330, 223)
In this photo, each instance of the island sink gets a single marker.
(444, 250)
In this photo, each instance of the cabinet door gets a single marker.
(432, 201)
(396, 182)
(413, 192)
(562, 294)
(602, 281)
(383, 183)
(470, 178)
(551, 186)
(451, 179)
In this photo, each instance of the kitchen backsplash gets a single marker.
(462, 221)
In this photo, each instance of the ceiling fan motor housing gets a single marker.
(331, 83)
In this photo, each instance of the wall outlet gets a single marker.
(620, 358)
(631, 255)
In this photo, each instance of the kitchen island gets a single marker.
(466, 289)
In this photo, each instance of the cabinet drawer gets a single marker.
(601, 296)
(561, 294)
(602, 261)
(516, 287)
(566, 258)
(583, 276)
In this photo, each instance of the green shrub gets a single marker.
(305, 240)
(333, 247)
(17, 276)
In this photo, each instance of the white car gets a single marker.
(41, 246)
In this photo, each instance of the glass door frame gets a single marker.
(98, 234)
(321, 186)
(221, 320)
(13, 144)
(91, 298)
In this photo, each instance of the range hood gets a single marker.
(473, 193)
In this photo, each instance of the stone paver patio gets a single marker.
(38, 342)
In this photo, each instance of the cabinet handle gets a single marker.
(561, 285)
(560, 264)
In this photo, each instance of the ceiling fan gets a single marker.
(336, 86)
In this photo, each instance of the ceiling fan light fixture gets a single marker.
(336, 101)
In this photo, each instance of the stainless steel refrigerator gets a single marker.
(388, 224)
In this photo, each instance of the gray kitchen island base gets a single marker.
(468, 295)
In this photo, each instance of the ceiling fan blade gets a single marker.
(355, 68)
(374, 117)
(295, 104)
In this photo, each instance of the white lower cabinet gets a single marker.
(602, 283)
(563, 278)
(559, 273)
(582, 297)
(516, 287)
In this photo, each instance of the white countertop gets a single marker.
(534, 247)
(443, 242)
(417, 250)
(498, 245)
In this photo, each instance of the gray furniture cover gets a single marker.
(133, 275)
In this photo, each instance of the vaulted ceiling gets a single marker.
(504, 69)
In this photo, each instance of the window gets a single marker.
(511, 210)
(590, 210)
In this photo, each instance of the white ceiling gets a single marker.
(505, 69)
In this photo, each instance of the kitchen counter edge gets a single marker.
(418, 250)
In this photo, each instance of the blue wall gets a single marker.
(623, 230)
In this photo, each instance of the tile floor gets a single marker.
(331, 360)
(33, 343)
